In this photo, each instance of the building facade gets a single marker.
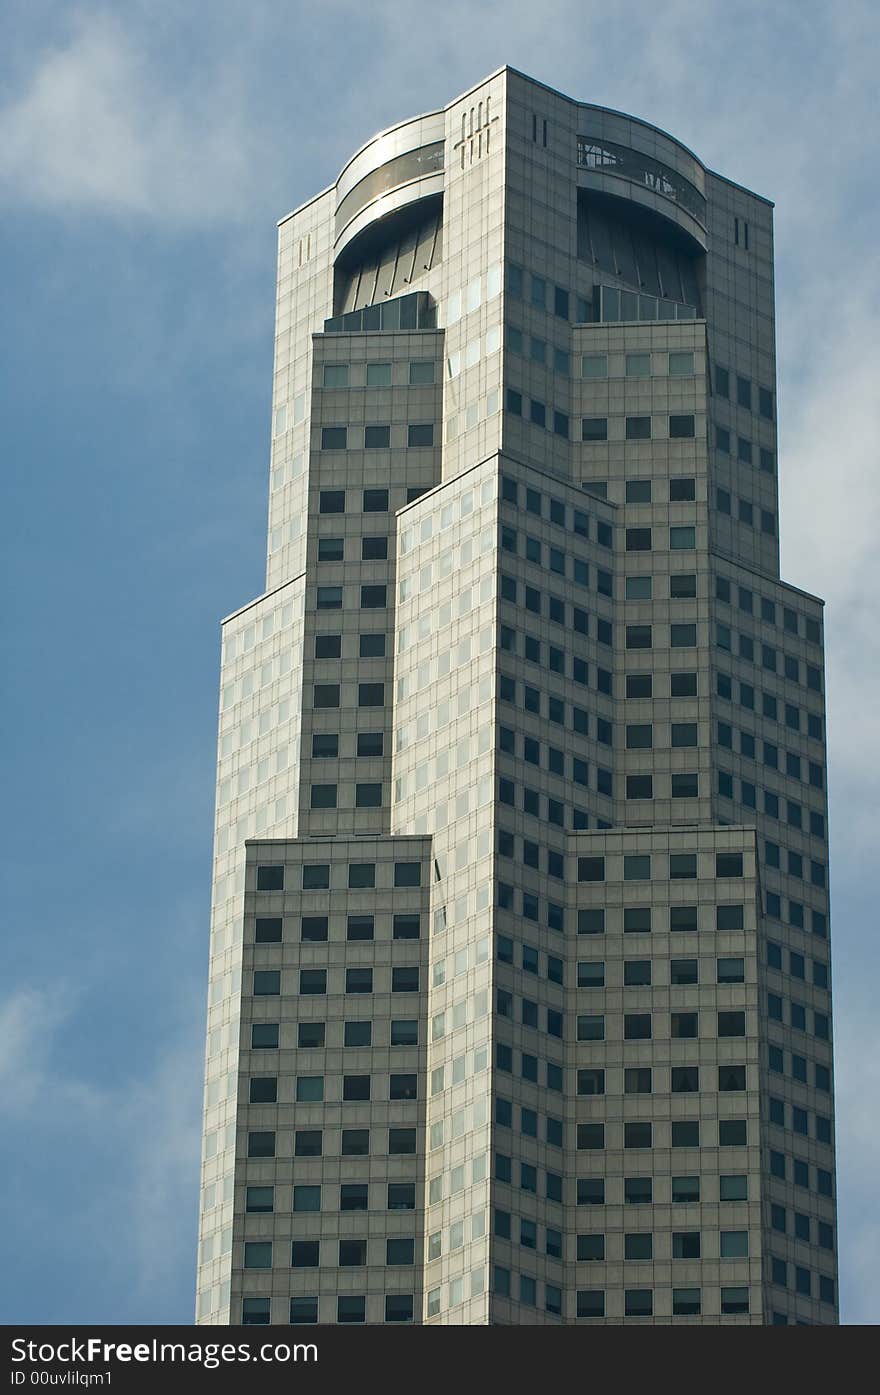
(519, 1003)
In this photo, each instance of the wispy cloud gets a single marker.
(120, 1160)
(99, 125)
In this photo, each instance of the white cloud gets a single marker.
(135, 1141)
(98, 127)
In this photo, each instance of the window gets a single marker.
(637, 919)
(309, 1034)
(594, 429)
(682, 488)
(420, 434)
(638, 1245)
(684, 1025)
(685, 1244)
(377, 437)
(639, 685)
(591, 1081)
(359, 980)
(731, 1024)
(683, 540)
(325, 695)
(407, 874)
(636, 973)
(323, 797)
(732, 1133)
(590, 1027)
(638, 588)
(379, 375)
(594, 366)
(728, 864)
(591, 974)
(334, 438)
(685, 1189)
(638, 1302)
(637, 1026)
(258, 1254)
(403, 1087)
(734, 1300)
(261, 1144)
(328, 646)
(357, 1034)
(637, 1135)
(638, 539)
(681, 364)
(405, 980)
(638, 365)
(686, 1302)
(685, 1079)
(591, 1191)
(638, 428)
(373, 597)
(734, 1244)
(370, 743)
(360, 927)
(683, 971)
(683, 918)
(591, 1303)
(267, 930)
(255, 1312)
(682, 585)
(375, 501)
(681, 427)
(590, 1136)
(371, 694)
(267, 983)
(685, 1133)
(324, 745)
(374, 549)
(270, 879)
(684, 734)
(368, 796)
(351, 1309)
(590, 1247)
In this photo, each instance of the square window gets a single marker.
(376, 437)
(685, 1189)
(638, 428)
(638, 1302)
(328, 646)
(591, 1081)
(681, 427)
(270, 879)
(639, 685)
(351, 1309)
(267, 930)
(421, 372)
(638, 365)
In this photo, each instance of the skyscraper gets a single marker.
(519, 990)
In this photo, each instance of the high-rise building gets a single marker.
(519, 998)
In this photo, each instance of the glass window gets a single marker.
(681, 364)
(379, 374)
(420, 434)
(638, 428)
(638, 365)
(681, 427)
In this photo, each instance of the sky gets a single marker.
(147, 149)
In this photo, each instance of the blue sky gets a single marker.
(146, 152)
